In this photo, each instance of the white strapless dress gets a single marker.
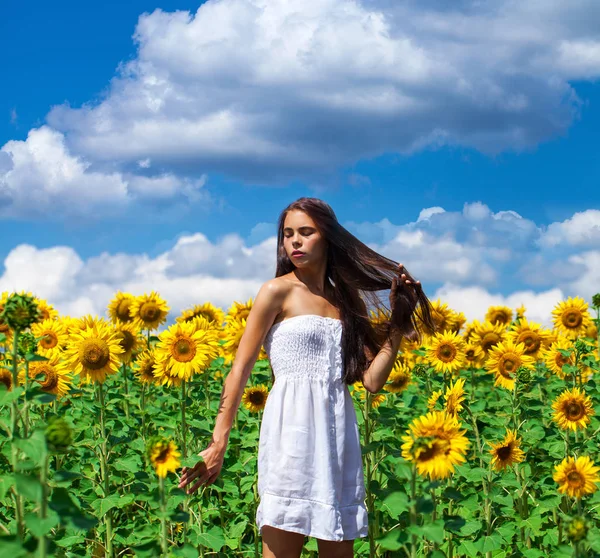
(310, 470)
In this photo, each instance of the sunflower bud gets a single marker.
(20, 311)
(577, 529)
(581, 347)
(596, 300)
(523, 375)
(420, 370)
(59, 435)
(26, 344)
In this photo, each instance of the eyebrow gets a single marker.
(302, 227)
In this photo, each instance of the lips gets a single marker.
(297, 253)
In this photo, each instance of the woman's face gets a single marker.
(300, 233)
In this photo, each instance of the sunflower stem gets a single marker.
(413, 510)
(163, 516)
(372, 533)
(42, 541)
(19, 511)
(104, 472)
(206, 391)
(183, 421)
(126, 400)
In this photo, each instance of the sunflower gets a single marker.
(379, 316)
(591, 331)
(458, 321)
(520, 312)
(576, 477)
(454, 396)
(474, 355)
(530, 334)
(399, 378)
(555, 360)
(231, 337)
(118, 307)
(52, 375)
(144, 367)
(507, 452)
(6, 378)
(47, 311)
(443, 317)
(129, 339)
(499, 315)
(436, 444)
(445, 352)
(163, 455)
(53, 337)
(214, 315)
(470, 329)
(375, 400)
(93, 352)
(255, 398)
(572, 409)
(504, 359)
(571, 317)
(3, 326)
(433, 399)
(183, 351)
(238, 311)
(148, 311)
(487, 335)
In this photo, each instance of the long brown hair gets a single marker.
(357, 272)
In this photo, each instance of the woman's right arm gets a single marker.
(267, 304)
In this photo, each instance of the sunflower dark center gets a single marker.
(123, 311)
(149, 311)
(572, 318)
(446, 352)
(184, 350)
(574, 478)
(49, 341)
(256, 397)
(94, 354)
(127, 340)
(574, 410)
(489, 340)
(504, 453)
(531, 340)
(47, 377)
(500, 318)
(6, 379)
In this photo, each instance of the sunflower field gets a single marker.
(483, 442)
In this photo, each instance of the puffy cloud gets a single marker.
(267, 90)
(470, 274)
(40, 176)
(583, 229)
(474, 302)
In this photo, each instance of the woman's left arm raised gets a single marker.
(381, 366)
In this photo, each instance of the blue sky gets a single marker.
(119, 151)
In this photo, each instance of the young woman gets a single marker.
(314, 323)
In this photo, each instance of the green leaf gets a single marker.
(425, 504)
(396, 503)
(7, 397)
(113, 501)
(492, 542)
(212, 539)
(391, 540)
(40, 527)
(29, 487)
(33, 447)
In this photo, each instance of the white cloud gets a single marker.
(474, 302)
(583, 229)
(500, 264)
(40, 176)
(248, 87)
(428, 212)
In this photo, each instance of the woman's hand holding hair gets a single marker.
(410, 289)
(206, 470)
